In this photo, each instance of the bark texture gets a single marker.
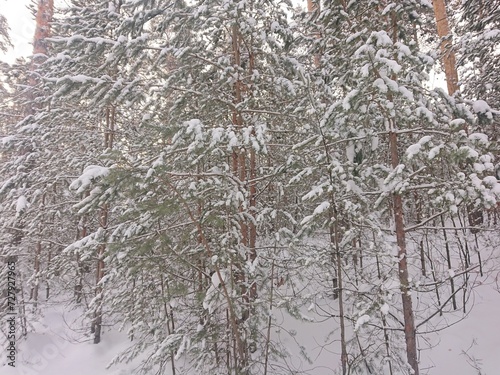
(313, 6)
(409, 319)
(44, 14)
(448, 55)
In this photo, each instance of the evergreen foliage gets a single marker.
(187, 171)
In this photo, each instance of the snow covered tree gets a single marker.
(83, 97)
(20, 168)
(189, 171)
(478, 46)
(198, 109)
(378, 135)
(4, 34)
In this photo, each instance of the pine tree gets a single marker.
(189, 169)
(378, 134)
(478, 46)
(205, 112)
(4, 34)
(448, 54)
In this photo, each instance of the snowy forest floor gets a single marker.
(470, 347)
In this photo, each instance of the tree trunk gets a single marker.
(335, 238)
(239, 170)
(36, 270)
(448, 260)
(252, 229)
(448, 57)
(103, 222)
(398, 212)
(44, 15)
(409, 320)
(313, 6)
(97, 324)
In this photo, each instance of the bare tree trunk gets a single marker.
(336, 259)
(313, 6)
(239, 170)
(24, 321)
(80, 233)
(244, 166)
(44, 15)
(448, 58)
(398, 212)
(168, 314)
(464, 246)
(387, 345)
(97, 323)
(103, 222)
(422, 258)
(252, 229)
(47, 285)
(448, 260)
(409, 320)
(269, 321)
(335, 239)
(433, 272)
(36, 270)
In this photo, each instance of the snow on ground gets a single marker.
(54, 350)
(470, 347)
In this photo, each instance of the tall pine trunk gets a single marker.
(409, 319)
(45, 11)
(239, 171)
(103, 223)
(398, 213)
(313, 6)
(44, 14)
(448, 56)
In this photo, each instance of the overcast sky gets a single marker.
(22, 28)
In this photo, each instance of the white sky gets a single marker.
(22, 28)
